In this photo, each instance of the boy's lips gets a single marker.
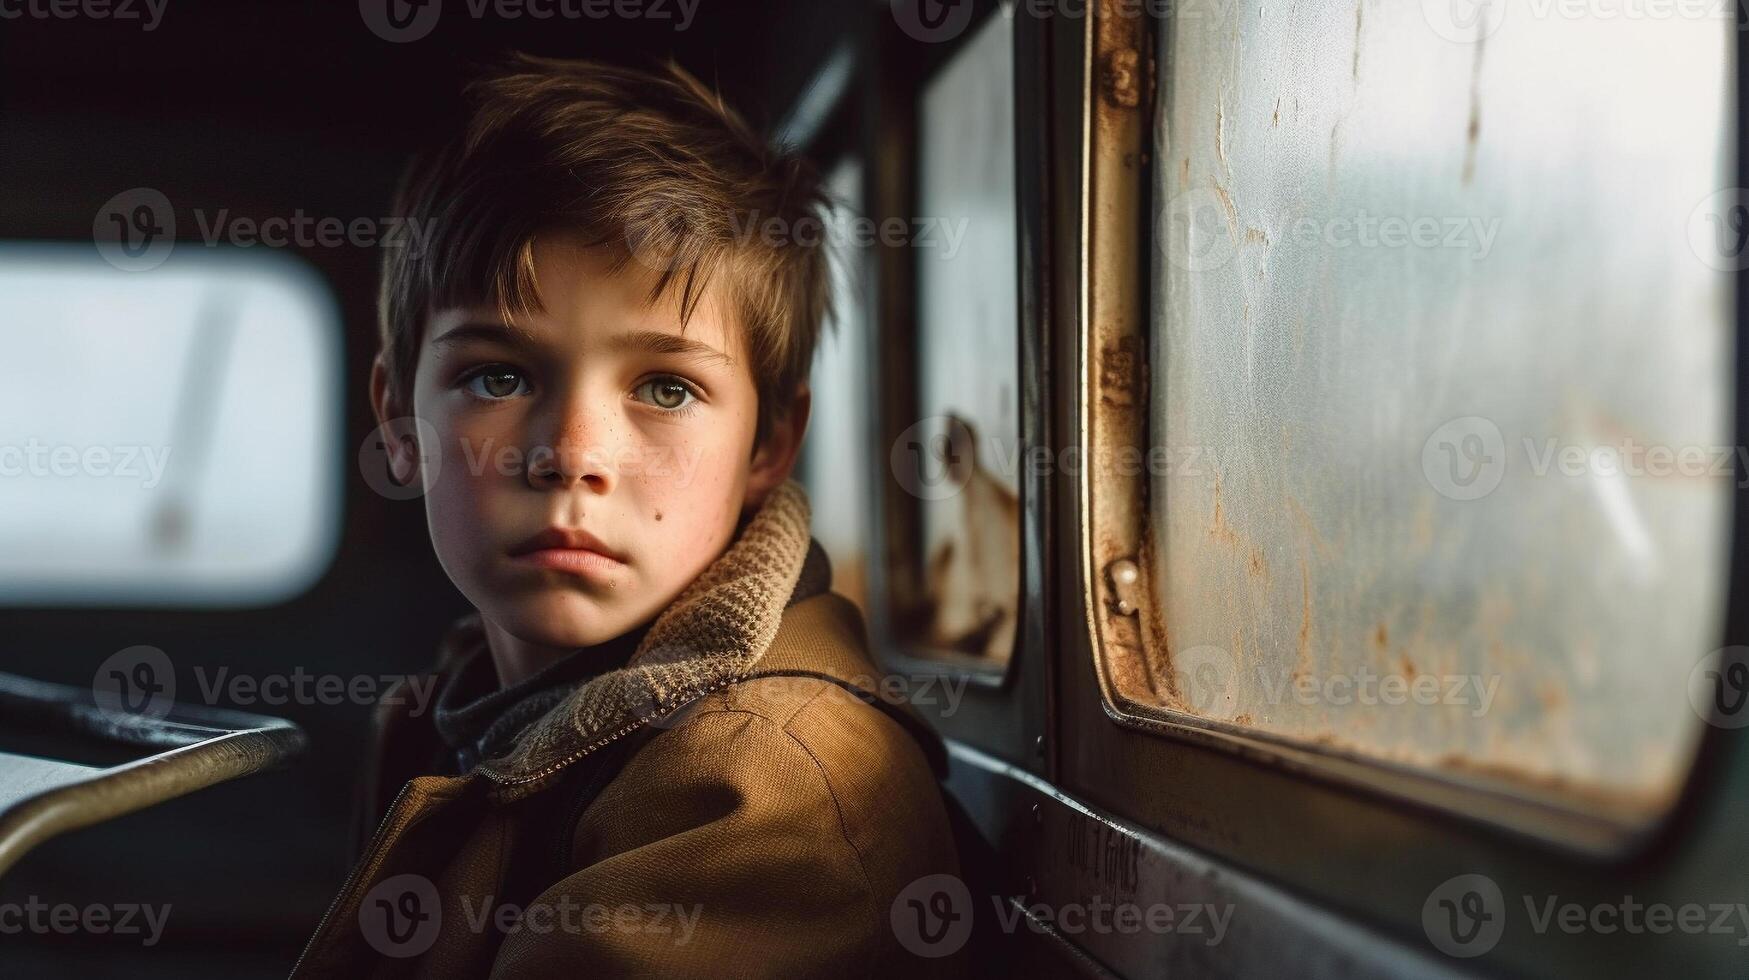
(568, 550)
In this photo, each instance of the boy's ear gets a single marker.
(775, 458)
(399, 440)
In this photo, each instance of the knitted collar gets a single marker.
(711, 636)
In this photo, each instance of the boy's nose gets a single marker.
(582, 453)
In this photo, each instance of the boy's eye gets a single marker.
(666, 393)
(497, 383)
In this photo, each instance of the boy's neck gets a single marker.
(516, 660)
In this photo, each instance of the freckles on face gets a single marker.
(600, 424)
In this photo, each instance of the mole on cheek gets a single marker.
(658, 515)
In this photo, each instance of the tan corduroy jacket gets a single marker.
(736, 802)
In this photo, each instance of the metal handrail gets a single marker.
(202, 747)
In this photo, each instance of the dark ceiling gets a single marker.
(222, 87)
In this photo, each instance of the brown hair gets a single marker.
(650, 163)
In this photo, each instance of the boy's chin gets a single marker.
(566, 622)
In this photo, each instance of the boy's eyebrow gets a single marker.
(657, 342)
(481, 330)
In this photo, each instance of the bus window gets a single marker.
(961, 456)
(1440, 395)
(166, 439)
(835, 458)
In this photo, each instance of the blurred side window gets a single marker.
(967, 437)
(836, 455)
(1443, 373)
(167, 438)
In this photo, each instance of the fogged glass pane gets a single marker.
(968, 348)
(1445, 386)
(167, 437)
(836, 469)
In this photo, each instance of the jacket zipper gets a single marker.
(352, 876)
(519, 782)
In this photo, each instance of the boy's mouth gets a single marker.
(570, 550)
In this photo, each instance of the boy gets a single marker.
(656, 750)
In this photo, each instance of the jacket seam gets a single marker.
(843, 825)
(832, 793)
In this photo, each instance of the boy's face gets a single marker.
(593, 460)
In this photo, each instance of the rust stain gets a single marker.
(1221, 132)
(1611, 797)
(1227, 205)
(1421, 531)
(1258, 565)
(1305, 521)
(1359, 21)
(1473, 132)
(1120, 78)
(1275, 120)
(1256, 236)
(1242, 720)
(1408, 667)
(1184, 173)
(1119, 372)
(1304, 665)
(1381, 638)
(1218, 527)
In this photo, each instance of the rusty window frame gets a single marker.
(1112, 409)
